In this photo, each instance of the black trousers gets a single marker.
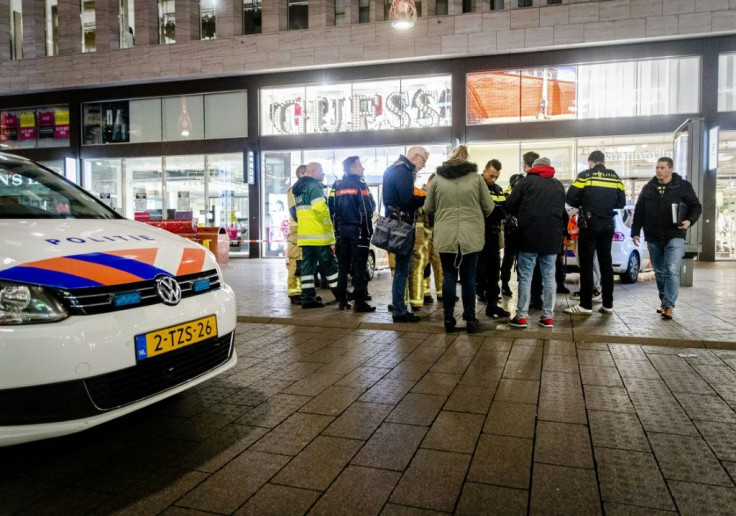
(489, 269)
(352, 258)
(509, 255)
(596, 237)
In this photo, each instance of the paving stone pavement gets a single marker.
(320, 420)
(704, 316)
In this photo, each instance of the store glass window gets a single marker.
(497, 5)
(143, 187)
(106, 122)
(633, 88)
(183, 118)
(364, 11)
(278, 168)
(227, 198)
(25, 128)
(16, 29)
(103, 179)
(727, 82)
(634, 158)
(166, 22)
(361, 106)
(726, 197)
(89, 26)
(51, 25)
(185, 189)
(297, 14)
(207, 19)
(226, 115)
(252, 21)
(525, 3)
(145, 120)
(126, 17)
(468, 6)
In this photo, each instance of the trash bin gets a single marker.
(686, 272)
(216, 240)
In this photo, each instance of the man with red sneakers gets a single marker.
(538, 201)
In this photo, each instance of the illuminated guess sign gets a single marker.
(391, 105)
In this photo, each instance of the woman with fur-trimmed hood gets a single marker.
(460, 201)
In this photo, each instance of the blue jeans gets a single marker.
(666, 256)
(525, 268)
(398, 287)
(466, 265)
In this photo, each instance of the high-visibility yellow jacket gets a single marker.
(312, 214)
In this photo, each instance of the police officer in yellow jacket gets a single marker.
(293, 252)
(316, 234)
(596, 192)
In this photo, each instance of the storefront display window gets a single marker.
(632, 88)
(140, 120)
(726, 197)
(727, 82)
(184, 189)
(26, 128)
(103, 179)
(360, 106)
(227, 198)
(279, 174)
(226, 115)
(144, 189)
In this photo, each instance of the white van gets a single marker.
(99, 315)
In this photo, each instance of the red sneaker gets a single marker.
(518, 322)
(547, 322)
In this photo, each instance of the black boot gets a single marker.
(473, 325)
(344, 305)
(313, 304)
(497, 312)
(295, 300)
(506, 290)
(450, 325)
(362, 307)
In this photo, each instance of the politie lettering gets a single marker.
(113, 238)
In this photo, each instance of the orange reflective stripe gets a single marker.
(147, 256)
(192, 260)
(101, 274)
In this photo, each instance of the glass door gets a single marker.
(228, 199)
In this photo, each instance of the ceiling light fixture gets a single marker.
(403, 14)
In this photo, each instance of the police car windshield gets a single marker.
(28, 191)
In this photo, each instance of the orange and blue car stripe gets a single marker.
(99, 269)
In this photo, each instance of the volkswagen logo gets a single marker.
(168, 290)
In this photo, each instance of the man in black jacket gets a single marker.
(538, 201)
(353, 216)
(489, 264)
(398, 194)
(666, 207)
(596, 192)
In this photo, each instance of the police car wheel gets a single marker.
(632, 270)
(370, 267)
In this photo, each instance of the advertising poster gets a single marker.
(46, 120)
(28, 125)
(278, 222)
(182, 201)
(140, 201)
(61, 128)
(8, 126)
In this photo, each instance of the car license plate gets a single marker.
(168, 339)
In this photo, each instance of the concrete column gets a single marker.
(146, 22)
(274, 16)
(70, 27)
(33, 29)
(236, 10)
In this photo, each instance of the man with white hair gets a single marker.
(398, 195)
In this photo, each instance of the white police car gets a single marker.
(99, 315)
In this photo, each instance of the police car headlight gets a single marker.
(24, 304)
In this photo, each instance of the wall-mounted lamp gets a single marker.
(403, 14)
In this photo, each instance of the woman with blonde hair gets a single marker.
(460, 202)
